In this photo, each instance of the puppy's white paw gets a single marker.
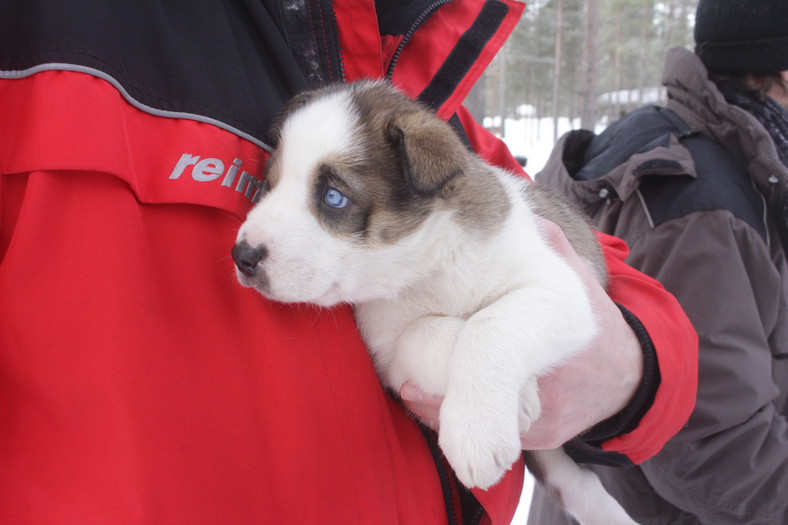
(479, 449)
(530, 407)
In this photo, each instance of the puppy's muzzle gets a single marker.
(247, 258)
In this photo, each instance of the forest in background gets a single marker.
(586, 60)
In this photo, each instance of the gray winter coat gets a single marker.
(700, 212)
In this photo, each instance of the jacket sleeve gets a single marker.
(730, 464)
(675, 343)
(669, 329)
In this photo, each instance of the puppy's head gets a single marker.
(360, 177)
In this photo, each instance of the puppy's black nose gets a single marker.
(247, 258)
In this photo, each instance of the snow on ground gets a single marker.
(533, 138)
(521, 516)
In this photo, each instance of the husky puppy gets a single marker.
(371, 199)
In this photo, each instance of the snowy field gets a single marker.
(533, 138)
(521, 516)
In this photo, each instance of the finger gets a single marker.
(426, 407)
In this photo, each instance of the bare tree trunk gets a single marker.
(591, 77)
(573, 111)
(502, 89)
(616, 105)
(557, 66)
(670, 21)
(476, 99)
(641, 64)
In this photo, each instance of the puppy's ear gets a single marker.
(430, 152)
(298, 101)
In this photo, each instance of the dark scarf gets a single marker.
(773, 116)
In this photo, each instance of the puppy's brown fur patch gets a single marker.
(408, 164)
(424, 152)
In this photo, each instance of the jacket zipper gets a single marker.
(452, 506)
(451, 496)
(335, 28)
(406, 38)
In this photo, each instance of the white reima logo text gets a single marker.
(210, 169)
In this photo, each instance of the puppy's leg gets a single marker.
(501, 349)
(530, 407)
(578, 490)
(423, 352)
(479, 430)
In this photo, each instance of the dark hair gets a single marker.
(757, 83)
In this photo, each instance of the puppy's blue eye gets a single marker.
(335, 199)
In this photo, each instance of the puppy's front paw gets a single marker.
(480, 450)
(530, 407)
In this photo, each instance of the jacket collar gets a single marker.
(441, 47)
(594, 176)
(698, 101)
(455, 42)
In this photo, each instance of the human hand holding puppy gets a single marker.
(587, 389)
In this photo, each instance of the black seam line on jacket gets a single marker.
(456, 123)
(465, 53)
(406, 38)
(781, 357)
(63, 66)
(444, 471)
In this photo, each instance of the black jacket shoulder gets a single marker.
(719, 182)
(229, 62)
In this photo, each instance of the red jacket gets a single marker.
(139, 383)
